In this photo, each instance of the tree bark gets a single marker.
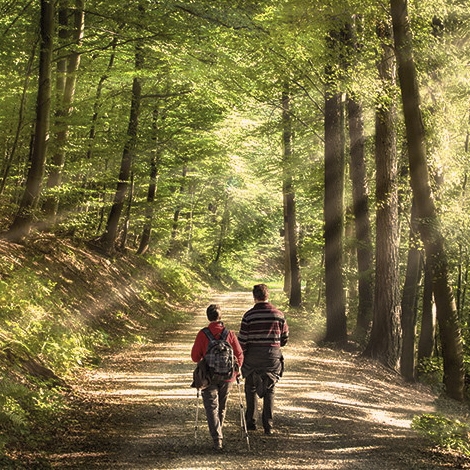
(385, 339)
(336, 330)
(108, 239)
(174, 246)
(409, 302)
(290, 222)
(152, 189)
(449, 329)
(427, 337)
(67, 68)
(360, 195)
(23, 221)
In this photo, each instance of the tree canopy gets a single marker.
(163, 127)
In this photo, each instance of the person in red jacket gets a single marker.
(215, 396)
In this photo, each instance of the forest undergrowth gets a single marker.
(95, 370)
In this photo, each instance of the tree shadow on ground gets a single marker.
(333, 411)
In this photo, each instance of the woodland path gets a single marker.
(333, 411)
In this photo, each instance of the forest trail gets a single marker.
(333, 411)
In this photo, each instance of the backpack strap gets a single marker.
(224, 334)
(209, 334)
(211, 337)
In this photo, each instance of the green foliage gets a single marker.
(177, 282)
(430, 371)
(25, 407)
(445, 432)
(34, 322)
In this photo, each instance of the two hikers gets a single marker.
(257, 350)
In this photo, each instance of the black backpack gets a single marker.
(219, 356)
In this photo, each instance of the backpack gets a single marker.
(219, 356)
(201, 379)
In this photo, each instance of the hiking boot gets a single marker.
(217, 445)
(269, 431)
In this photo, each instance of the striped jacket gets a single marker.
(263, 325)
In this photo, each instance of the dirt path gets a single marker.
(333, 411)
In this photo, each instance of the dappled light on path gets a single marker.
(333, 410)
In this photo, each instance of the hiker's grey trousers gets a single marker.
(215, 398)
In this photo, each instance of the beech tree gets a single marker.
(336, 330)
(292, 272)
(429, 226)
(26, 215)
(66, 78)
(385, 338)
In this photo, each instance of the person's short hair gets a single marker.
(213, 312)
(260, 292)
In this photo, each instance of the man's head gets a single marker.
(213, 312)
(260, 293)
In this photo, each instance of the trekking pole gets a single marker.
(197, 417)
(244, 429)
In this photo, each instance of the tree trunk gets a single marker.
(427, 337)
(409, 302)
(97, 102)
(449, 329)
(336, 330)
(173, 246)
(385, 339)
(290, 222)
(23, 221)
(67, 68)
(360, 195)
(108, 239)
(152, 189)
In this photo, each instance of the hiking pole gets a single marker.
(197, 417)
(244, 429)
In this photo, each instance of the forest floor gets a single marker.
(334, 410)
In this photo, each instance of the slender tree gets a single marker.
(427, 336)
(67, 68)
(152, 189)
(24, 219)
(108, 239)
(290, 223)
(409, 301)
(361, 217)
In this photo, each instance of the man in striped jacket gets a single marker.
(263, 331)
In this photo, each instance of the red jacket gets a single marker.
(202, 341)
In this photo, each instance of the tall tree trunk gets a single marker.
(127, 218)
(97, 102)
(449, 329)
(108, 239)
(336, 330)
(23, 221)
(427, 337)
(361, 217)
(290, 222)
(67, 68)
(152, 189)
(409, 302)
(385, 339)
(173, 246)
